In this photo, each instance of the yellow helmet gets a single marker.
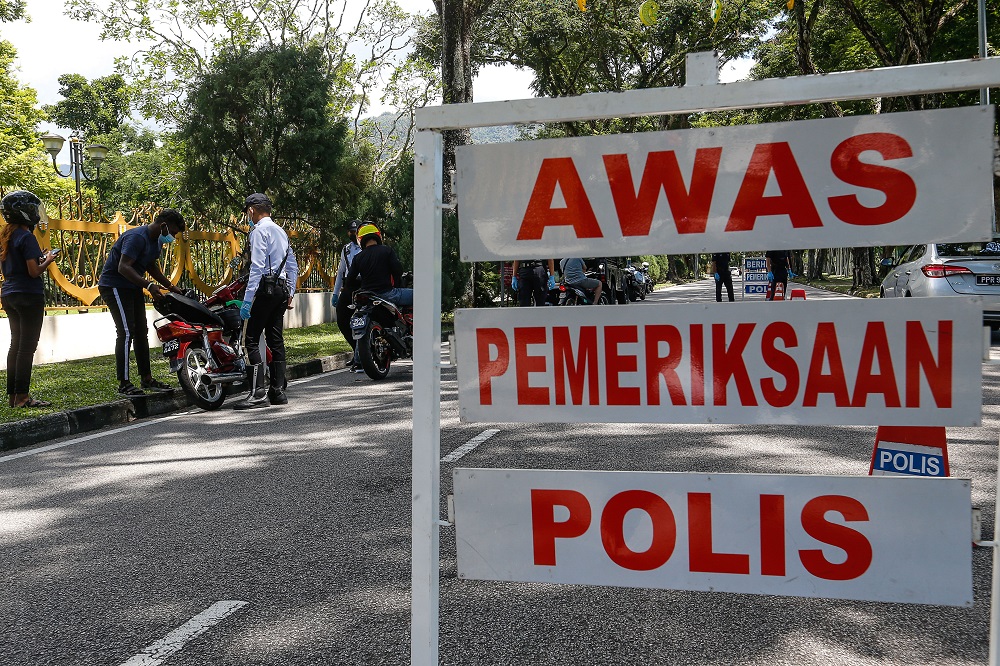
(366, 231)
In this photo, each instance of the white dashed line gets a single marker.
(468, 446)
(173, 642)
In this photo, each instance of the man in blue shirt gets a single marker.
(273, 275)
(123, 278)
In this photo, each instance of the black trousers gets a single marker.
(727, 279)
(344, 315)
(532, 282)
(25, 313)
(267, 315)
(128, 309)
(772, 286)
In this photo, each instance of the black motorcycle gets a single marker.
(570, 294)
(382, 331)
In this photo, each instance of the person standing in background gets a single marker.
(720, 269)
(343, 293)
(530, 280)
(778, 263)
(23, 292)
(273, 274)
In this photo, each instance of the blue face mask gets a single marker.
(166, 239)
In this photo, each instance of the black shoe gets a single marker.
(257, 394)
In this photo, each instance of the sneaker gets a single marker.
(130, 391)
(358, 369)
(156, 385)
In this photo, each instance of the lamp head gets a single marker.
(97, 154)
(53, 144)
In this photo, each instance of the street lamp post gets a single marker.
(96, 153)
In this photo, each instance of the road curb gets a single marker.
(29, 432)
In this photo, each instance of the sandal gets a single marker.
(156, 385)
(31, 403)
(130, 391)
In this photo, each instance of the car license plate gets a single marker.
(988, 280)
(170, 347)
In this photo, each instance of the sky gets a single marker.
(52, 44)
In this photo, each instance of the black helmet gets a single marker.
(353, 225)
(21, 207)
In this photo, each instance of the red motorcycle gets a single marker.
(203, 340)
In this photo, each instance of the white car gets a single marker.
(947, 269)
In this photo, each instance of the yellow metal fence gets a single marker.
(201, 258)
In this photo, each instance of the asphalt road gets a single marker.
(112, 543)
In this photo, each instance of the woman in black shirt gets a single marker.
(23, 292)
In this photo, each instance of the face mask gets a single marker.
(169, 238)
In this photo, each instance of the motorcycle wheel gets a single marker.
(193, 368)
(603, 300)
(375, 353)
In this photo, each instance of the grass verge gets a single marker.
(86, 382)
(842, 285)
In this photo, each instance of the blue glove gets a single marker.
(791, 274)
(552, 282)
(718, 278)
(245, 309)
(333, 301)
(770, 276)
(513, 282)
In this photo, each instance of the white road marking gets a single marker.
(173, 642)
(318, 375)
(469, 445)
(87, 438)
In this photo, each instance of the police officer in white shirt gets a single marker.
(273, 274)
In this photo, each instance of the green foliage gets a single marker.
(258, 121)
(93, 107)
(180, 41)
(11, 10)
(23, 161)
(607, 48)
(141, 167)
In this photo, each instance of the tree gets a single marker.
(259, 121)
(457, 20)
(23, 161)
(93, 107)
(180, 40)
(608, 49)
(11, 10)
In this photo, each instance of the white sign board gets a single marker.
(868, 538)
(924, 176)
(833, 362)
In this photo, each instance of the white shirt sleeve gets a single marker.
(258, 261)
(291, 270)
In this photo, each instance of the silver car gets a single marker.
(948, 269)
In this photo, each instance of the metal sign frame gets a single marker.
(702, 92)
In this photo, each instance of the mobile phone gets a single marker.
(56, 250)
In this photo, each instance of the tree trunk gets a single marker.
(457, 19)
(864, 267)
